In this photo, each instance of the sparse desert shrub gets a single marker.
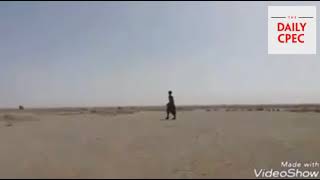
(21, 107)
(8, 117)
(8, 124)
(259, 109)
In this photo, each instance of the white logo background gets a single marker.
(302, 14)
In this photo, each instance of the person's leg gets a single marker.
(174, 112)
(174, 115)
(167, 112)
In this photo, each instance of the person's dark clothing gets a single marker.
(171, 108)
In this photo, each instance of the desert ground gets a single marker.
(136, 142)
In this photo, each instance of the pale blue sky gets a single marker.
(132, 53)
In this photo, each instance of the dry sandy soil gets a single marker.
(138, 143)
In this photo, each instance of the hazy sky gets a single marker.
(132, 53)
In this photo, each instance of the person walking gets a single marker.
(171, 108)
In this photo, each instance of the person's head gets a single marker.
(170, 92)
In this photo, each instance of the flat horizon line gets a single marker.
(177, 105)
